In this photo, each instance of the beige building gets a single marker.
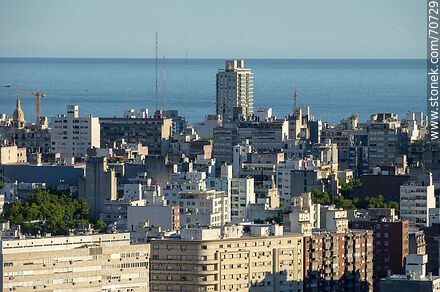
(12, 155)
(266, 263)
(102, 262)
(235, 89)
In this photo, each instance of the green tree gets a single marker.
(319, 197)
(55, 211)
(346, 189)
(100, 225)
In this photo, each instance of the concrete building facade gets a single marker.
(383, 130)
(415, 202)
(72, 135)
(234, 90)
(12, 155)
(98, 185)
(204, 207)
(154, 132)
(102, 262)
(244, 264)
(390, 246)
(339, 261)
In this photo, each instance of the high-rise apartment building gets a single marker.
(234, 90)
(250, 263)
(390, 245)
(415, 201)
(383, 131)
(72, 135)
(101, 262)
(339, 261)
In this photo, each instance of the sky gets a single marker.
(296, 29)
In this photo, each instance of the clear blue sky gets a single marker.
(213, 29)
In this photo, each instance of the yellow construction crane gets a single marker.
(39, 95)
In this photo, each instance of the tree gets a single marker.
(100, 225)
(319, 197)
(346, 189)
(394, 205)
(340, 201)
(55, 211)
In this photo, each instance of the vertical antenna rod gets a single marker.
(186, 87)
(295, 98)
(157, 93)
(163, 85)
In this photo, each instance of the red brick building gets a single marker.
(339, 261)
(390, 245)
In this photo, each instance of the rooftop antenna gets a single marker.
(157, 93)
(186, 86)
(295, 98)
(328, 109)
(163, 85)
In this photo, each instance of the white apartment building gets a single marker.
(263, 113)
(205, 207)
(189, 181)
(415, 202)
(239, 156)
(383, 131)
(333, 219)
(102, 262)
(234, 89)
(283, 178)
(240, 192)
(242, 195)
(300, 222)
(142, 219)
(303, 204)
(72, 135)
(417, 125)
(12, 155)
(150, 194)
(284, 174)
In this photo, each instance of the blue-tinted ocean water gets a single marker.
(105, 87)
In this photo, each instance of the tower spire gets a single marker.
(18, 116)
(295, 98)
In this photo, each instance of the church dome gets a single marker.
(18, 115)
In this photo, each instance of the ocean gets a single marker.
(105, 87)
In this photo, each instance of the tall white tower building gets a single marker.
(72, 135)
(234, 90)
(415, 201)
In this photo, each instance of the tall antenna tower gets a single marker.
(186, 87)
(163, 85)
(295, 98)
(157, 93)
